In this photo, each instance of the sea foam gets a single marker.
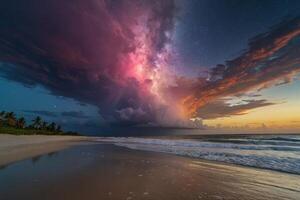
(280, 153)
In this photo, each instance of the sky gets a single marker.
(97, 65)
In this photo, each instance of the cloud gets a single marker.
(219, 108)
(116, 55)
(270, 58)
(89, 50)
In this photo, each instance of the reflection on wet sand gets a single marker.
(110, 172)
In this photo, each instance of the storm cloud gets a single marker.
(272, 58)
(220, 109)
(115, 55)
(86, 50)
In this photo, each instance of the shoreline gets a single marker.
(270, 153)
(22, 147)
(15, 148)
(106, 171)
(213, 162)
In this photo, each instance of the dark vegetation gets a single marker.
(10, 124)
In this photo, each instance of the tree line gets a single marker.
(9, 119)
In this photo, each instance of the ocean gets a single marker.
(273, 152)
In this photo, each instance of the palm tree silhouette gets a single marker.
(52, 126)
(37, 122)
(45, 125)
(2, 114)
(58, 128)
(21, 122)
(10, 118)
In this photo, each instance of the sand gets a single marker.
(14, 148)
(102, 171)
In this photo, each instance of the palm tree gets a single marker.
(44, 125)
(58, 128)
(10, 118)
(52, 126)
(2, 114)
(37, 122)
(21, 122)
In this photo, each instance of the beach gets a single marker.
(149, 100)
(14, 148)
(105, 171)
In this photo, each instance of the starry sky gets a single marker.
(97, 65)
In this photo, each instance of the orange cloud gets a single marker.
(270, 57)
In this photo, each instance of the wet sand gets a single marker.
(102, 171)
(14, 148)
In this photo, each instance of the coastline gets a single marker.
(105, 171)
(276, 153)
(78, 167)
(14, 148)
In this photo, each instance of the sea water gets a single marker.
(274, 152)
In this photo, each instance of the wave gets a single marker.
(279, 156)
(258, 141)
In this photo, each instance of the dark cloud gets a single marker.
(217, 72)
(84, 49)
(91, 50)
(270, 58)
(219, 109)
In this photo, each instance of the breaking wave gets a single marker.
(280, 153)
